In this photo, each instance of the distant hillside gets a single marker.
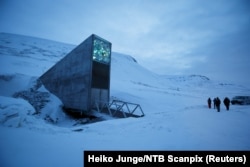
(31, 57)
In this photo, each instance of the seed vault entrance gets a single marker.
(81, 79)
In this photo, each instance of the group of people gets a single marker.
(217, 103)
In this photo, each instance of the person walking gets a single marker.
(226, 103)
(209, 101)
(218, 104)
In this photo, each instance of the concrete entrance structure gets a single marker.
(81, 80)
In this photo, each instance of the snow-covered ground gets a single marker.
(175, 107)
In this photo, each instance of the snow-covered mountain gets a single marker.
(35, 130)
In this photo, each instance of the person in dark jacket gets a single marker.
(226, 102)
(209, 101)
(217, 104)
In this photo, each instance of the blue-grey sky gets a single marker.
(204, 37)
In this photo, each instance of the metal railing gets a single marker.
(117, 108)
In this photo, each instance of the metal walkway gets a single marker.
(118, 108)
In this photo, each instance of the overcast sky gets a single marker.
(207, 37)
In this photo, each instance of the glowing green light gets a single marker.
(101, 51)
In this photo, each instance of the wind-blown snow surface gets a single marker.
(177, 117)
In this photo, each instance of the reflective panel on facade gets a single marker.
(101, 51)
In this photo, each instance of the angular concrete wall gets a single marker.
(71, 78)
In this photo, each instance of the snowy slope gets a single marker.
(177, 117)
(29, 55)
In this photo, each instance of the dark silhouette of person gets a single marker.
(209, 101)
(214, 101)
(227, 103)
(217, 104)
